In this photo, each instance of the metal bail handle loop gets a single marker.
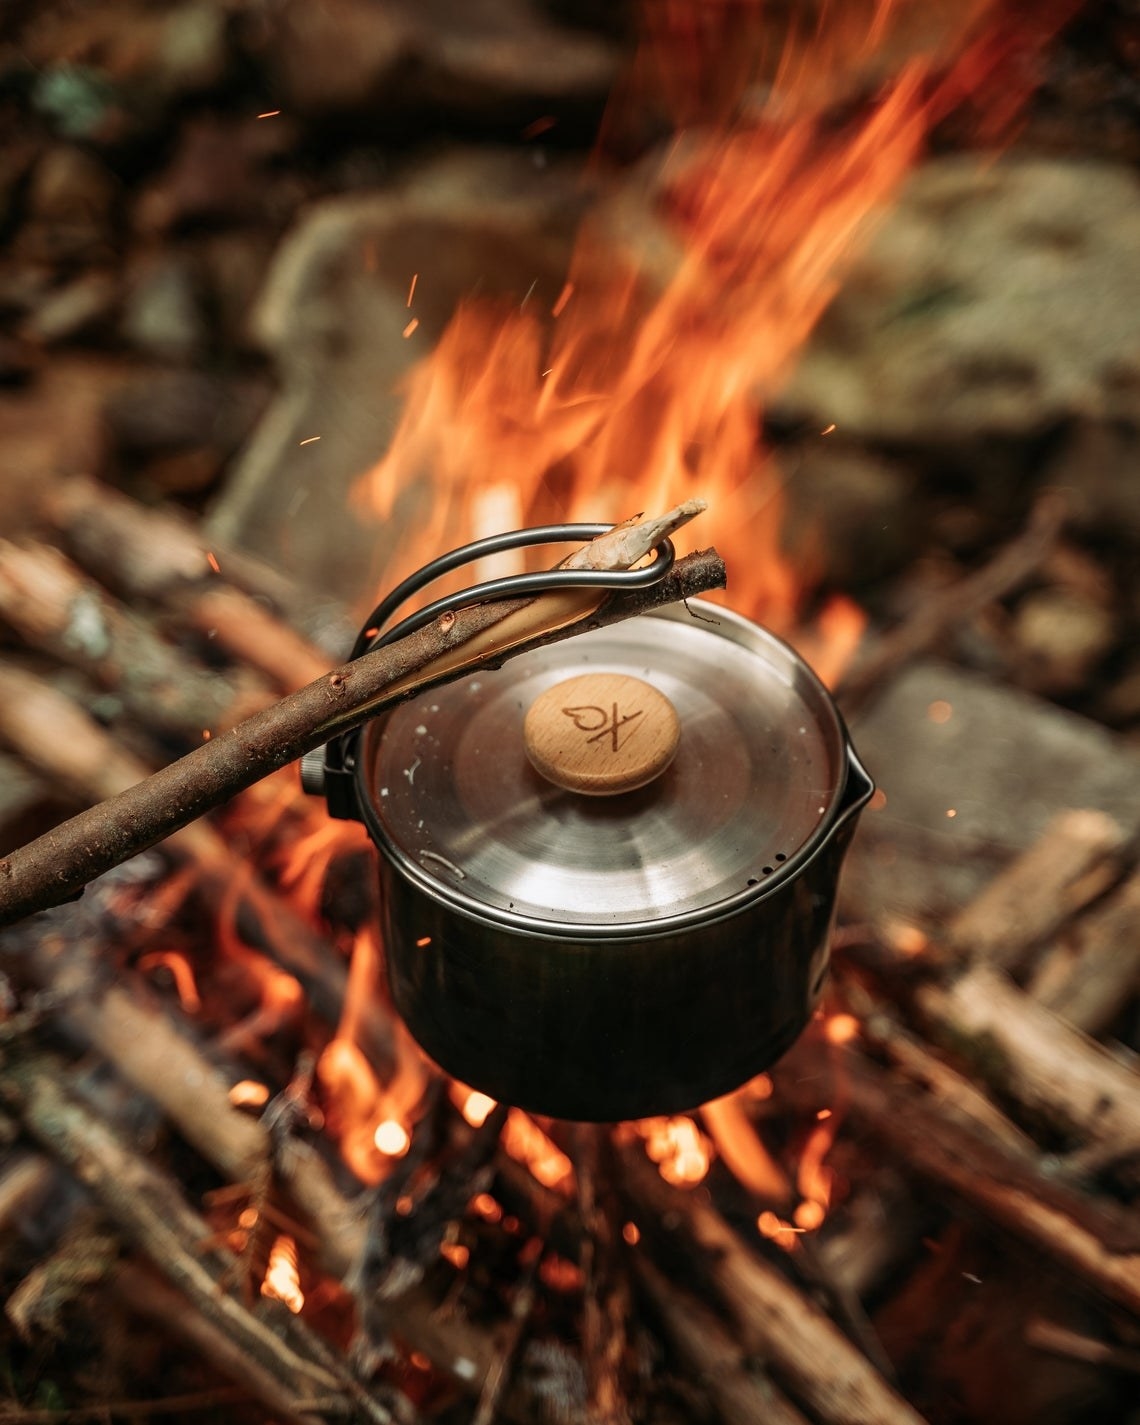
(329, 771)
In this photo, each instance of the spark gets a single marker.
(828, 429)
(212, 561)
(422, 941)
(248, 1093)
(879, 800)
(539, 126)
(951, 812)
(823, 1114)
(940, 711)
(841, 1028)
(309, 439)
(456, 1253)
(809, 1215)
(269, 114)
(206, 734)
(563, 297)
(391, 1138)
(631, 1233)
(412, 288)
(486, 1207)
(412, 325)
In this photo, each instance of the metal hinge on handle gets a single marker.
(330, 771)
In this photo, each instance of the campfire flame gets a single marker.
(642, 384)
(693, 286)
(282, 1279)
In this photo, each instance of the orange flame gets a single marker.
(282, 1279)
(678, 1147)
(525, 1141)
(371, 1121)
(643, 384)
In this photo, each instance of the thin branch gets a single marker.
(59, 864)
(935, 617)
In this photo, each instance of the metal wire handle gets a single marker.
(510, 586)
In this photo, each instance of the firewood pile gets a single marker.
(231, 1182)
(231, 1187)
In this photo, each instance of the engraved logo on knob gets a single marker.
(601, 723)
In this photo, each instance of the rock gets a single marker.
(333, 313)
(496, 58)
(941, 740)
(162, 312)
(69, 210)
(994, 299)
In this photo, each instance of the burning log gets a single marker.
(737, 1386)
(58, 865)
(55, 735)
(150, 1212)
(809, 1355)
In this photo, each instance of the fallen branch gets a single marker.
(158, 556)
(808, 1354)
(939, 615)
(56, 609)
(52, 733)
(734, 1380)
(57, 865)
(153, 556)
(150, 1212)
(1096, 1241)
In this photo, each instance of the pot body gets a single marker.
(622, 1016)
(605, 1030)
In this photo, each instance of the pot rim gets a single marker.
(853, 790)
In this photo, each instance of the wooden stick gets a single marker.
(55, 608)
(1102, 972)
(809, 1355)
(150, 1211)
(55, 735)
(1078, 856)
(737, 1386)
(1096, 1241)
(936, 617)
(56, 866)
(158, 556)
(1057, 1074)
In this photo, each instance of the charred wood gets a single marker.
(809, 1356)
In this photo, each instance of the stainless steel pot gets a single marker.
(609, 957)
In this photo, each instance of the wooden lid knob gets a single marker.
(601, 733)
